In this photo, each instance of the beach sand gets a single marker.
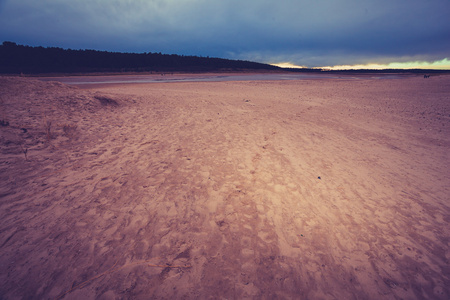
(302, 189)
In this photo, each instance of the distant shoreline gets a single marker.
(244, 71)
(20, 60)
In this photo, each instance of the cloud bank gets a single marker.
(301, 32)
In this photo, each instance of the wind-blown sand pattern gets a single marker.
(312, 189)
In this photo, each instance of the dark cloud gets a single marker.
(312, 33)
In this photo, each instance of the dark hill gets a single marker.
(16, 59)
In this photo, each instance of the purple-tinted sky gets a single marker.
(309, 33)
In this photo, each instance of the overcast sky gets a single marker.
(312, 33)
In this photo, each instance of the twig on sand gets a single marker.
(47, 125)
(114, 269)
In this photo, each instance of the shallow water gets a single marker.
(161, 78)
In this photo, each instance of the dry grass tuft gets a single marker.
(106, 101)
(25, 151)
(69, 130)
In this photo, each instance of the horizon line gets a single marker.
(438, 65)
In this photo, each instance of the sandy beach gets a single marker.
(298, 189)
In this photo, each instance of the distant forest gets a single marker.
(17, 59)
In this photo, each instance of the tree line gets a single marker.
(16, 59)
